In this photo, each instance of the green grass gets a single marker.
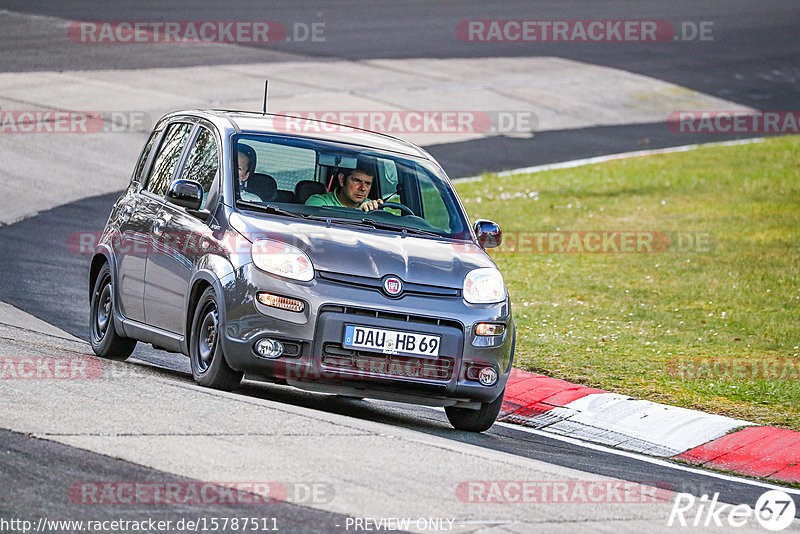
(618, 321)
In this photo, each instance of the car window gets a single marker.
(387, 178)
(167, 158)
(423, 198)
(203, 163)
(137, 173)
(433, 203)
(287, 164)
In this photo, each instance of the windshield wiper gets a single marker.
(396, 227)
(269, 208)
(364, 221)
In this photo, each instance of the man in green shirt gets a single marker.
(352, 192)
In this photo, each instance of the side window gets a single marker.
(167, 158)
(287, 164)
(203, 162)
(137, 173)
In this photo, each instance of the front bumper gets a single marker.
(319, 362)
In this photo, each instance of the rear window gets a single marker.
(143, 157)
(167, 157)
(287, 164)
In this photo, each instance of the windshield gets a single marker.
(285, 173)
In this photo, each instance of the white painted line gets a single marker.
(611, 157)
(642, 425)
(626, 423)
(636, 456)
(540, 420)
(648, 459)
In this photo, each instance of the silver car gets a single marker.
(236, 244)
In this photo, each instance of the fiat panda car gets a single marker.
(399, 303)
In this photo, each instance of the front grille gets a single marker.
(408, 318)
(377, 285)
(370, 364)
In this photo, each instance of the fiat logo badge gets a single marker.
(392, 286)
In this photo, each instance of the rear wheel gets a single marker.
(105, 340)
(209, 367)
(475, 420)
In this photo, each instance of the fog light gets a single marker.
(269, 348)
(489, 329)
(284, 303)
(488, 376)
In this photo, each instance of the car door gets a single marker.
(140, 226)
(139, 214)
(179, 235)
(130, 248)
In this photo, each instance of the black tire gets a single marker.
(475, 420)
(207, 360)
(105, 340)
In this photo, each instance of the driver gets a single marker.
(351, 192)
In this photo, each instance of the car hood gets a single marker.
(369, 252)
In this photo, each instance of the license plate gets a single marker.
(390, 341)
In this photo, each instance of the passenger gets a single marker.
(246, 165)
(352, 192)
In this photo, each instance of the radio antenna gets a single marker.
(266, 87)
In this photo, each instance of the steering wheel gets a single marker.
(403, 209)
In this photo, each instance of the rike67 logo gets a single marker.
(774, 510)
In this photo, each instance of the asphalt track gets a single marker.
(752, 57)
(56, 291)
(754, 60)
(33, 487)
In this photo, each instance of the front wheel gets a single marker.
(103, 337)
(475, 420)
(209, 367)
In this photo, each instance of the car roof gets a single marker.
(253, 122)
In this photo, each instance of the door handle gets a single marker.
(127, 211)
(158, 227)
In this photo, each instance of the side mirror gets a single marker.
(489, 233)
(185, 193)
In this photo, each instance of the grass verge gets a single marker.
(674, 278)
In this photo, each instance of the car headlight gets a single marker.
(484, 286)
(282, 259)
